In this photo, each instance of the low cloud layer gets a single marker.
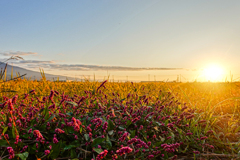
(17, 53)
(35, 62)
(52, 65)
(82, 67)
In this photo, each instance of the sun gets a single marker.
(213, 73)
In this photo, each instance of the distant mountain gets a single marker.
(31, 74)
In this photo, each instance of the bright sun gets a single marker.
(213, 73)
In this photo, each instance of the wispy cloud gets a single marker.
(17, 53)
(82, 67)
(35, 62)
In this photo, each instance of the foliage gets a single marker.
(111, 121)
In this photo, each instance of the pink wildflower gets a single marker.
(102, 155)
(11, 152)
(124, 150)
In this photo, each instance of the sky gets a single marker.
(124, 39)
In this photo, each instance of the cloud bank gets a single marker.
(53, 65)
(82, 67)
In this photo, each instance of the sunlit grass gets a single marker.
(217, 103)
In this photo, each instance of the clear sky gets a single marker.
(122, 37)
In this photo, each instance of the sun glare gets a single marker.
(213, 73)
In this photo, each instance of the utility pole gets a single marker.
(155, 78)
(127, 78)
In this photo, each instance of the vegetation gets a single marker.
(93, 120)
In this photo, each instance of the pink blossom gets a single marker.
(102, 155)
(46, 152)
(124, 150)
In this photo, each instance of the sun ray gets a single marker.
(213, 73)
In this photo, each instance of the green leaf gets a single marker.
(32, 150)
(186, 149)
(128, 122)
(93, 92)
(47, 114)
(123, 99)
(45, 111)
(166, 122)
(98, 150)
(97, 141)
(109, 104)
(3, 143)
(110, 132)
(158, 143)
(52, 116)
(108, 142)
(81, 128)
(73, 103)
(69, 147)
(56, 150)
(69, 114)
(69, 129)
(132, 133)
(104, 118)
(110, 125)
(121, 128)
(13, 131)
(73, 153)
(86, 136)
(25, 136)
(23, 156)
(4, 130)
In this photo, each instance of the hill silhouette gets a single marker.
(33, 75)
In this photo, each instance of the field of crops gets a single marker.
(106, 120)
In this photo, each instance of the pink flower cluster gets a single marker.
(55, 140)
(170, 148)
(11, 152)
(24, 149)
(141, 144)
(133, 140)
(123, 136)
(76, 123)
(102, 155)
(136, 119)
(38, 135)
(105, 126)
(46, 152)
(10, 105)
(98, 122)
(59, 131)
(124, 150)
(17, 139)
(150, 156)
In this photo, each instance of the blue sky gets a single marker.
(124, 37)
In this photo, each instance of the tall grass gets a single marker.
(217, 103)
